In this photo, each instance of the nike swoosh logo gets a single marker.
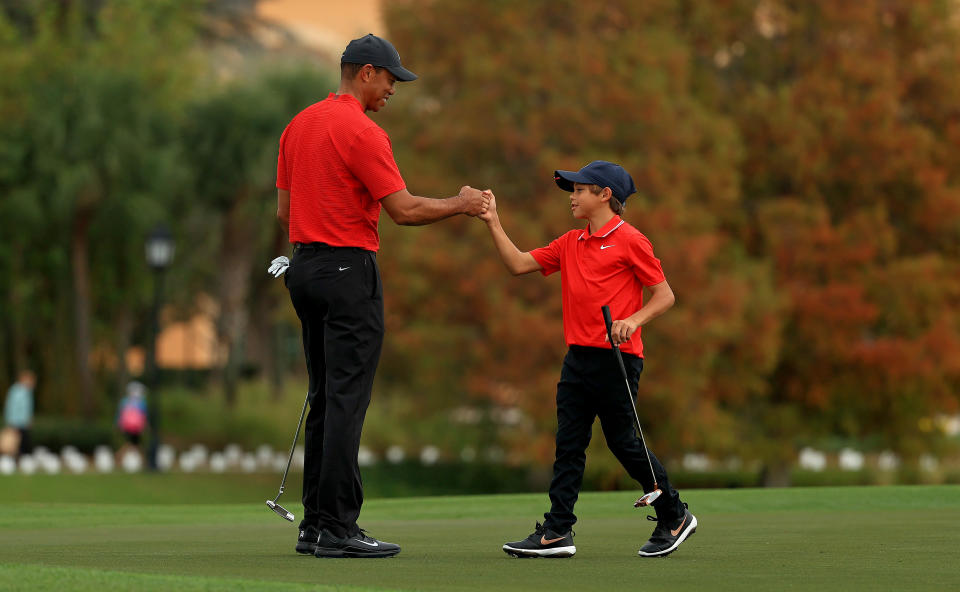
(602, 247)
(370, 544)
(544, 541)
(344, 268)
(679, 528)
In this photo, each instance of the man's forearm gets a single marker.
(427, 210)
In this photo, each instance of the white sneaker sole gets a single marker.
(552, 552)
(683, 536)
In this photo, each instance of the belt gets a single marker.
(297, 247)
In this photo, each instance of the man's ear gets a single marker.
(367, 73)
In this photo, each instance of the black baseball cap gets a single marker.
(602, 173)
(378, 52)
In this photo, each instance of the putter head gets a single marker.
(280, 510)
(647, 498)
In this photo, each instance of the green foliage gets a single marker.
(90, 160)
(230, 137)
(189, 417)
(56, 432)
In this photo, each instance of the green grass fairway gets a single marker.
(848, 538)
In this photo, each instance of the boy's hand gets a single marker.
(622, 331)
(491, 213)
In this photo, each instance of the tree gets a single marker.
(847, 116)
(90, 148)
(504, 108)
(231, 139)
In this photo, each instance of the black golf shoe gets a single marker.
(358, 545)
(668, 535)
(542, 543)
(307, 541)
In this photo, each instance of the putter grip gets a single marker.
(608, 321)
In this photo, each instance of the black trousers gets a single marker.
(591, 385)
(337, 294)
(26, 443)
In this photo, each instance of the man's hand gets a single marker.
(278, 266)
(623, 330)
(491, 214)
(474, 201)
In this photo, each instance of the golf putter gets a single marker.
(648, 497)
(273, 505)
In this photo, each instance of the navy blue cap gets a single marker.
(602, 173)
(378, 52)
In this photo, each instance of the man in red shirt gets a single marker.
(608, 263)
(334, 173)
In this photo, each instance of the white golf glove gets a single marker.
(278, 266)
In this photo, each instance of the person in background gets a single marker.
(18, 408)
(132, 416)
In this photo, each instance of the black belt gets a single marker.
(297, 247)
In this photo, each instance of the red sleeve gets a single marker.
(371, 161)
(549, 257)
(283, 181)
(645, 265)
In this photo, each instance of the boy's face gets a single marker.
(584, 203)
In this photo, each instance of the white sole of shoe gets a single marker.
(683, 536)
(552, 552)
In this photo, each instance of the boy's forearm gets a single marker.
(511, 256)
(659, 303)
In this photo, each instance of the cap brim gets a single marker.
(566, 179)
(402, 74)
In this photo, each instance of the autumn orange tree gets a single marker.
(797, 173)
(508, 93)
(848, 119)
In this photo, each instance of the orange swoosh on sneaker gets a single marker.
(544, 541)
(679, 528)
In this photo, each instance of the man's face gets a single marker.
(583, 202)
(378, 88)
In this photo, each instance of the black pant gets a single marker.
(591, 385)
(337, 294)
(26, 444)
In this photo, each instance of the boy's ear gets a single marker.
(606, 194)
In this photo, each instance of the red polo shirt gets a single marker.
(337, 164)
(609, 267)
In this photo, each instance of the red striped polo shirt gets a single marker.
(337, 165)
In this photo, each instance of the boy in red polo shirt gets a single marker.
(608, 263)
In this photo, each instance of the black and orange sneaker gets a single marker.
(668, 534)
(307, 541)
(542, 543)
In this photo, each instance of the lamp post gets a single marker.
(159, 255)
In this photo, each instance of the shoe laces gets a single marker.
(361, 535)
(663, 525)
(541, 529)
